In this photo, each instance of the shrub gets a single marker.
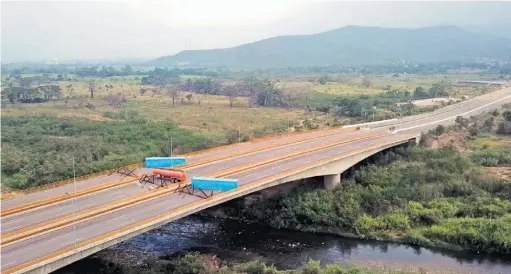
(187, 264)
(396, 222)
(366, 224)
(476, 234)
(45, 155)
(504, 128)
(439, 130)
(492, 157)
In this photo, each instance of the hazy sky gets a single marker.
(78, 30)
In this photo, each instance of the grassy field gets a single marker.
(352, 85)
(213, 116)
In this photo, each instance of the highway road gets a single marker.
(47, 243)
(11, 223)
(447, 115)
(207, 156)
(42, 245)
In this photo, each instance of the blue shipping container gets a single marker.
(214, 183)
(164, 161)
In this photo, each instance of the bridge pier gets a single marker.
(331, 181)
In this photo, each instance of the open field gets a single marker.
(210, 113)
(213, 116)
(352, 84)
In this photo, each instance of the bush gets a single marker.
(477, 234)
(39, 150)
(187, 264)
(366, 224)
(504, 128)
(439, 130)
(396, 222)
(492, 157)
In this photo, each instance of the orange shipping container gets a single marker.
(177, 174)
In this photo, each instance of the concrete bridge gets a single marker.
(47, 230)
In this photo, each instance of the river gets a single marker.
(234, 240)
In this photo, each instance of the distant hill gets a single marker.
(493, 30)
(351, 45)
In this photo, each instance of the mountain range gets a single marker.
(351, 45)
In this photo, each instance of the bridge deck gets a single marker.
(42, 245)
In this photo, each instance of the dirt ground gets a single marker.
(455, 139)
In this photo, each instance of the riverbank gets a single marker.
(234, 241)
(428, 197)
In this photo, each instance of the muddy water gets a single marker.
(288, 249)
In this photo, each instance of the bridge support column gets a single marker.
(331, 181)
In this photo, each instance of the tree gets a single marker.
(442, 88)
(232, 92)
(70, 90)
(189, 97)
(439, 130)
(504, 128)
(323, 80)
(507, 115)
(420, 92)
(174, 92)
(51, 92)
(461, 122)
(488, 123)
(366, 82)
(127, 70)
(116, 100)
(92, 86)
(10, 93)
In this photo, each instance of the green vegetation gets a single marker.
(431, 197)
(492, 157)
(357, 44)
(40, 150)
(194, 263)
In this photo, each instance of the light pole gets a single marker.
(171, 152)
(73, 203)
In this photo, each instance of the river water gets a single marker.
(234, 240)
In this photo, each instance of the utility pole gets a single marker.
(73, 203)
(171, 152)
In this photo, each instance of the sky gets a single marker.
(93, 30)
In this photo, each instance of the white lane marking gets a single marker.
(74, 241)
(4, 265)
(16, 227)
(448, 118)
(62, 207)
(125, 223)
